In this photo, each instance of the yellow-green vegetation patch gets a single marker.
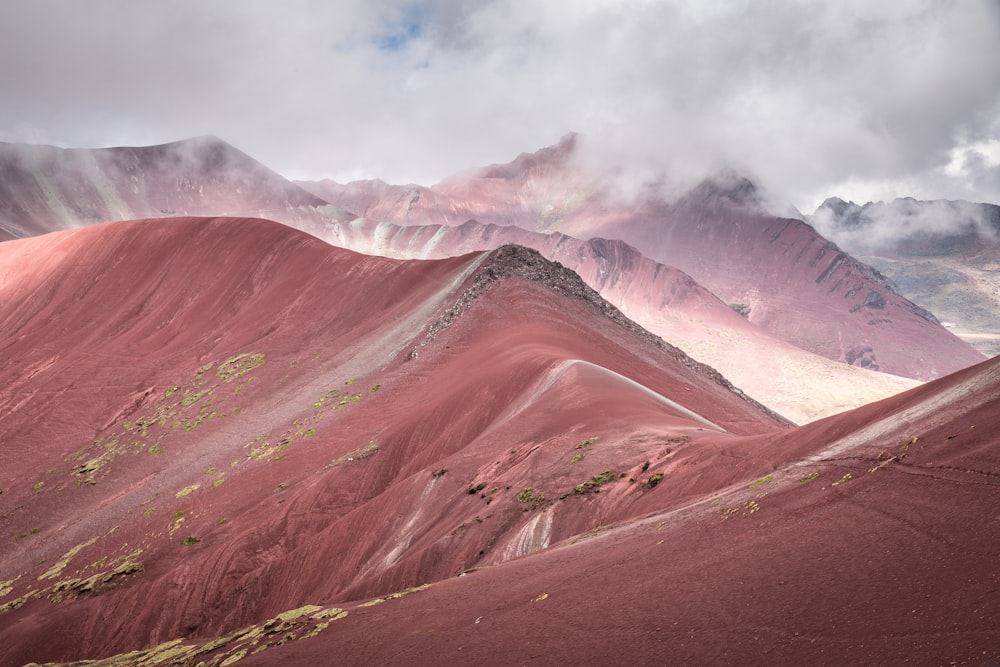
(593, 484)
(61, 564)
(326, 617)
(761, 481)
(293, 614)
(747, 508)
(235, 657)
(116, 569)
(176, 523)
(266, 448)
(180, 408)
(95, 583)
(395, 596)
(262, 449)
(583, 444)
(220, 477)
(239, 365)
(19, 602)
(808, 477)
(187, 490)
(7, 587)
(846, 478)
(528, 495)
(289, 626)
(337, 399)
(191, 398)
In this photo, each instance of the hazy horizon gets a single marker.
(808, 100)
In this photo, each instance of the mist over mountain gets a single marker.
(791, 282)
(944, 255)
(496, 420)
(44, 188)
(536, 190)
(908, 227)
(503, 332)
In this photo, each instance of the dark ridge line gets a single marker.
(512, 260)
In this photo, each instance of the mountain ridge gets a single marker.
(207, 436)
(43, 188)
(795, 284)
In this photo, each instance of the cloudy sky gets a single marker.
(865, 100)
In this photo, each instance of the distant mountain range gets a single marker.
(59, 188)
(534, 421)
(942, 254)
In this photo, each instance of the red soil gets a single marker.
(355, 469)
(132, 422)
(44, 188)
(887, 557)
(668, 302)
(798, 286)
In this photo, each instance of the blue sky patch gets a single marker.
(398, 35)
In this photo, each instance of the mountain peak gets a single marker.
(545, 159)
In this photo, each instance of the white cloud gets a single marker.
(856, 99)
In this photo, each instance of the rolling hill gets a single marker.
(665, 301)
(233, 418)
(788, 279)
(225, 440)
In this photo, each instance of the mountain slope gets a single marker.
(234, 419)
(224, 440)
(877, 548)
(942, 254)
(665, 301)
(794, 283)
(43, 188)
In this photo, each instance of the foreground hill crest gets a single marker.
(516, 261)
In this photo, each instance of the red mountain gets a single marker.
(790, 280)
(43, 188)
(46, 188)
(878, 546)
(224, 440)
(942, 254)
(209, 413)
(665, 301)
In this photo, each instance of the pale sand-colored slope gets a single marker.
(801, 386)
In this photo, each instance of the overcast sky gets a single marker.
(865, 100)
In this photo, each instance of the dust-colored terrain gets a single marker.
(225, 440)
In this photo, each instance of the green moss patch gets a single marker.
(593, 484)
